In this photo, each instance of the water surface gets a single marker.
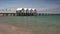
(38, 24)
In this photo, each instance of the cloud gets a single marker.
(40, 5)
(50, 7)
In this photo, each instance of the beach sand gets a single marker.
(10, 29)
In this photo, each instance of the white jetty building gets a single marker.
(26, 11)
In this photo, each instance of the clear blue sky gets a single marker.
(48, 5)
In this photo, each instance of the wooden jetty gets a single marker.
(8, 14)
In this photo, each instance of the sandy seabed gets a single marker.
(10, 29)
(6, 28)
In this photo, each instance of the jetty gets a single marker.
(21, 12)
(26, 12)
(7, 14)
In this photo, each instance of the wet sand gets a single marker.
(10, 29)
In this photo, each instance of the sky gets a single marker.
(52, 6)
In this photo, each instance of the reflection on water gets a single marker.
(36, 24)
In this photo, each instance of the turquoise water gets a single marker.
(40, 24)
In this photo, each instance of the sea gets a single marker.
(38, 24)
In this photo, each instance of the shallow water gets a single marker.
(38, 24)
